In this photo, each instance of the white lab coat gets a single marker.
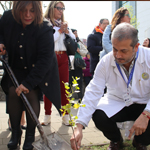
(107, 73)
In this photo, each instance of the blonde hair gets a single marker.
(20, 5)
(117, 17)
(49, 14)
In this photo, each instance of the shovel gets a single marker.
(55, 143)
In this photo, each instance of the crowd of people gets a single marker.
(115, 75)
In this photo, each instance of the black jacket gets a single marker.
(36, 56)
(94, 46)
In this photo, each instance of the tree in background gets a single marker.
(133, 17)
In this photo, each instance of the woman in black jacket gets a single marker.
(28, 41)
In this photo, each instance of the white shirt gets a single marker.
(107, 73)
(59, 39)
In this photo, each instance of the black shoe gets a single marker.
(15, 139)
(29, 139)
(116, 145)
(138, 146)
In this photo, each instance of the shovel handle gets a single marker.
(24, 99)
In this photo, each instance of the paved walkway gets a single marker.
(91, 135)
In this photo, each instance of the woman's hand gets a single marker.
(64, 28)
(2, 49)
(21, 89)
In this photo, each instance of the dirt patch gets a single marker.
(127, 145)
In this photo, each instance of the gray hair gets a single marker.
(125, 31)
(101, 21)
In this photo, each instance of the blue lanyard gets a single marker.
(131, 74)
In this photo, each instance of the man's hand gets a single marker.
(2, 49)
(140, 125)
(21, 89)
(76, 137)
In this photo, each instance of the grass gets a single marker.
(127, 145)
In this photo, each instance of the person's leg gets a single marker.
(23, 121)
(48, 111)
(34, 101)
(64, 77)
(144, 139)
(7, 104)
(106, 125)
(47, 105)
(134, 112)
(14, 102)
(9, 124)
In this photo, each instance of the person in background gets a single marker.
(126, 73)
(94, 43)
(76, 71)
(146, 42)
(28, 40)
(121, 15)
(87, 76)
(55, 14)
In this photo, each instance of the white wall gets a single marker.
(143, 16)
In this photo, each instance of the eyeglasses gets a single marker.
(59, 8)
(127, 15)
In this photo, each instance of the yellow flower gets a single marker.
(76, 106)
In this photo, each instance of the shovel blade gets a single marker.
(55, 142)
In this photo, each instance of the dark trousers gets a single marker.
(77, 72)
(16, 106)
(109, 127)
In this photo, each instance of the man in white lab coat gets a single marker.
(126, 73)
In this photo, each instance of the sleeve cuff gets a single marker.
(147, 110)
(84, 125)
(27, 85)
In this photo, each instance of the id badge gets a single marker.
(127, 99)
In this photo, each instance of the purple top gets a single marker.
(86, 71)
